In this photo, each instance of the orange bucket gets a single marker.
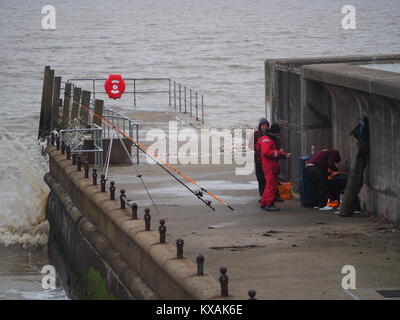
(285, 190)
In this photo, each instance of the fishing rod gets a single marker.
(207, 202)
(154, 157)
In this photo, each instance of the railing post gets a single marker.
(94, 89)
(190, 102)
(169, 91)
(134, 92)
(137, 147)
(175, 94)
(197, 108)
(185, 98)
(202, 109)
(180, 99)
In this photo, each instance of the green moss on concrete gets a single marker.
(96, 288)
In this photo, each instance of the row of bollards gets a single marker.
(76, 160)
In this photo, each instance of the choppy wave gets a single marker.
(23, 192)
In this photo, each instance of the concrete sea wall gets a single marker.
(349, 92)
(318, 101)
(106, 253)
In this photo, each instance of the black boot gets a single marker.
(271, 208)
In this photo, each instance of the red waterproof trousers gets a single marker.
(270, 163)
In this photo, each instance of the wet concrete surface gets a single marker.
(296, 253)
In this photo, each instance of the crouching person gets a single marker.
(270, 156)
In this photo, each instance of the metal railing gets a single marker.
(74, 138)
(129, 126)
(182, 97)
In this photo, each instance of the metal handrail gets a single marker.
(185, 95)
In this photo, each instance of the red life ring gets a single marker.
(114, 86)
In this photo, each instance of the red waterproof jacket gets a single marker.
(270, 155)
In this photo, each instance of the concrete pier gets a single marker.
(297, 253)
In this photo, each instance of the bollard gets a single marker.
(200, 264)
(112, 190)
(94, 176)
(223, 280)
(122, 198)
(86, 167)
(52, 138)
(68, 151)
(103, 182)
(62, 147)
(252, 295)
(58, 142)
(179, 248)
(74, 159)
(147, 219)
(134, 211)
(79, 164)
(163, 230)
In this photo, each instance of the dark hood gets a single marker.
(262, 120)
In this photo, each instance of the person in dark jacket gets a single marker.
(318, 167)
(263, 127)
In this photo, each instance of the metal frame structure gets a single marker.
(97, 136)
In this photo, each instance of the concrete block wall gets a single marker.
(156, 264)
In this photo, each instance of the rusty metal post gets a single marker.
(252, 295)
(134, 211)
(68, 150)
(223, 281)
(94, 176)
(163, 230)
(179, 248)
(78, 164)
(63, 147)
(122, 198)
(147, 219)
(86, 168)
(200, 264)
(74, 159)
(112, 190)
(103, 182)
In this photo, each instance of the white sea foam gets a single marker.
(23, 193)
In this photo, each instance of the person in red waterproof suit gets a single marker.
(270, 156)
